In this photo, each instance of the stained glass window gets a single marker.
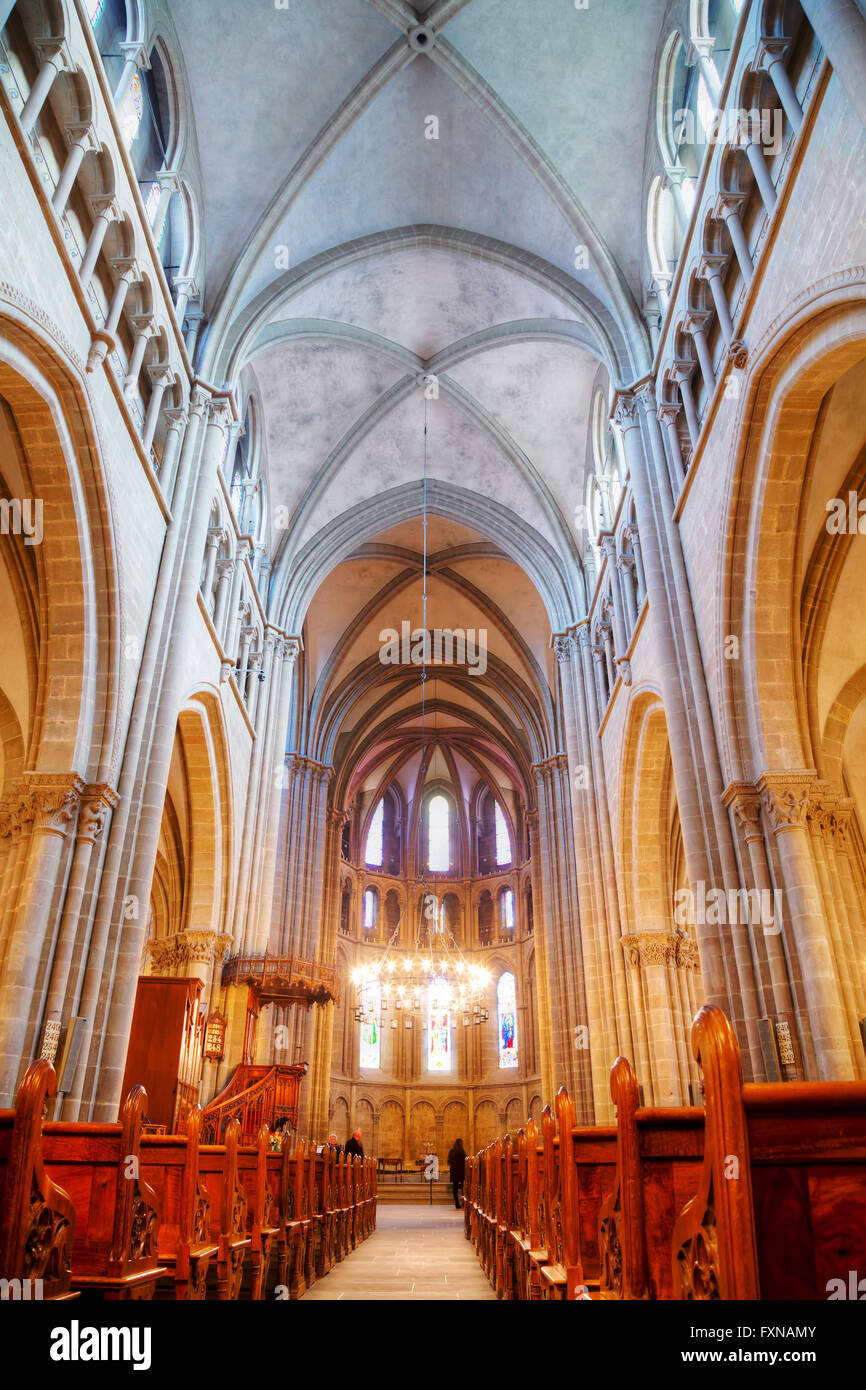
(370, 905)
(438, 846)
(131, 110)
(371, 1042)
(438, 1027)
(507, 904)
(506, 1012)
(374, 837)
(94, 10)
(503, 839)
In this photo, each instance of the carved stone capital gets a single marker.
(648, 948)
(786, 797)
(55, 799)
(623, 666)
(625, 412)
(562, 646)
(96, 802)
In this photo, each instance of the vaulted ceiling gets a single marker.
(393, 191)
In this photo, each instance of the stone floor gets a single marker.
(415, 1254)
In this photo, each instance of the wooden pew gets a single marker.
(170, 1165)
(530, 1253)
(262, 1207)
(218, 1165)
(37, 1217)
(294, 1222)
(780, 1210)
(117, 1212)
(658, 1168)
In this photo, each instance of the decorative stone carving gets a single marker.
(55, 800)
(96, 803)
(786, 798)
(562, 649)
(194, 947)
(738, 353)
(645, 948)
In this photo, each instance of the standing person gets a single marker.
(457, 1169)
(354, 1146)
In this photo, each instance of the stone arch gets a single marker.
(340, 1119)
(801, 359)
(74, 719)
(422, 1129)
(514, 1116)
(487, 1124)
(392, 1135)
(455, 1125)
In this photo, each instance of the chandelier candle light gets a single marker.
(439, 971)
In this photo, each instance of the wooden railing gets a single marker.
(285, 978)
(256, 1095)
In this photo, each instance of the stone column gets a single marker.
(107, 210)
(681, 373)
(841, 30)
(225, 570)
(727, 209)
(135, 57)
(169, 184)
(675, 175)
(96, 804)
(186, 289)
(632, 533)
(701, 49)
(214, 536)
(710, 269)
(758, 164)
(119, 847)
(161, 376)
(81, 139)
(786, 799)
(746, 806)
(55, 58)
(288, 650)
(128, 273)
(627, 568)
(695, 324)
(770, 58)
(679, 736)
(176, 419)
(54, 803)
(145, 328)
(119, 1019)
(668, 414)
(608, 545)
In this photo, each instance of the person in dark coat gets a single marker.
(457, 1169)
(354, 1146)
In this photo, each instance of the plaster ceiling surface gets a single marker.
(426, 299)
(346, 254)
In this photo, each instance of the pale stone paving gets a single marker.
(416, 1253)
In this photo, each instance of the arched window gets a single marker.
(438, 835)
(506, 1017)
(371, 909)
(371, 1003)
(131, 110)
(373, 853)
(506, 909)
(503, 839)
(438, 1026)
